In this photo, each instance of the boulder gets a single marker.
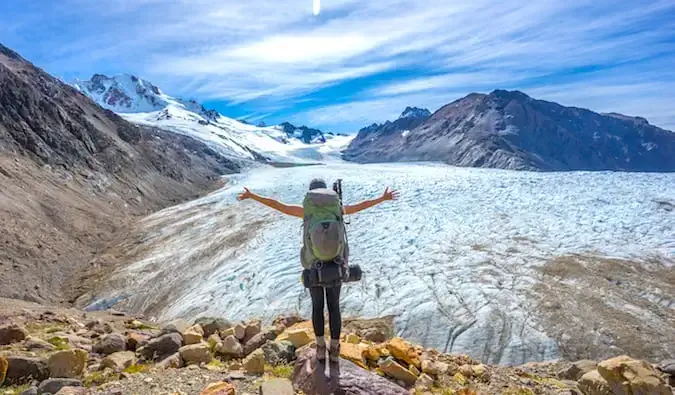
(11, 333)
(424, 382)
(3, 368)
(377, 330)
(354, 353)
(119, 361)
(629, 376)
(394, 370)
(252, 329)
(287, 321)
(73, 391)
(53, 386)
(353, 380)
(592, 383)
(171, 362)
(159, 348)
(434, 368)
(110, 343)
(668, 367)
(21, 370)
(195, 353)
(258, 340)
(220, 388)
(374, 352)
(212, 325)
(577, 369)
(255, 362)
(135, 340)
(277, 387)
(192, 337)
(278, 352)
(239, 331)
(230, 347)
(299, 337)
(404, 351)
(68, 363)
(80, 342)
(175, 326)
(37, 344)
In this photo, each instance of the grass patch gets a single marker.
(217, 363)
(59, 343)
(45, 327)
(283, 371)
(136, 368)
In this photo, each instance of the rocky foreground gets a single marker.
(64, 351)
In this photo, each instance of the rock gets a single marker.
(278, 352)
(175, 326)
(592, 383)
(377, 330)
(277, 387)
(37, 344)
(577, 369)
(239, 331)
(220, 388)
(252, 329)
(404, 351)
(667, 367)
(466, 370)
(73, 391)
(3, 368)
(192, 337)
(212, 325)
(424, 382)
(626, 375)
(21, 370)
(30, 391)
(159, 348)
(299, 337)
(375, 352)
(195, 353)
(479, 370)
(171, 362)
(110, 343)
(231, 347)
(287, 321)
(258, 340)
(227, 332)
(394, 370)
(353, 339)
(353, 379)
(255, 362)
(68, 363)
(80, 342)
(136, 340)
(11, 333)
(353, 353)
(119, 361)
(434, 368)
(53, 386)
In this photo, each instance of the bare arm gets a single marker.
(387, 195)
(288, 209)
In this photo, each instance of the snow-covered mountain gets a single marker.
(415, 112)
(143, 103)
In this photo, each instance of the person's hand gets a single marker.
(390, 194)
(245, 195)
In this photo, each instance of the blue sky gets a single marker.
(361, 61)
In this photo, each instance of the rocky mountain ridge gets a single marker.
(510, 130)
(74, 174)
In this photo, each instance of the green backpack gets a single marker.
(324, 233)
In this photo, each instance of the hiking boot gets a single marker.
(321, 353)
(334, 353)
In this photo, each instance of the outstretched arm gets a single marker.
(387, 195)
(295, 211)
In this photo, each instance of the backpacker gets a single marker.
(324, 233)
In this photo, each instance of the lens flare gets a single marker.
(317, 7)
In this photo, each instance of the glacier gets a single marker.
(454, 260)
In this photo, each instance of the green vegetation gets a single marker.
(45, 327)
(59, 342)
(15, 389)
(99, 377)
(284, 371)
(136, 368)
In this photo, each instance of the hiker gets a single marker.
(323, 237)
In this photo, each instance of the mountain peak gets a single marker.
(415, 112)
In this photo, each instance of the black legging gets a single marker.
(334, 318)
